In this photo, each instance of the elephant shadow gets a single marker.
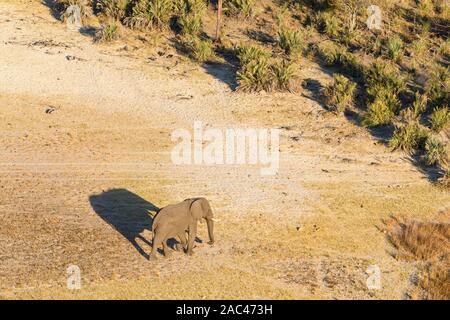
(127, 213)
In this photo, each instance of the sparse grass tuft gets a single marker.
(339, 94)
(428, 242)
(408, 137)
(419, 104)
(440, 119)
(444, 181)
(108, 32)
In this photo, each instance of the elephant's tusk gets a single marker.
(215, 220)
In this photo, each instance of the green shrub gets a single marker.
(246, 54)
(339, 94)
(255, 75)
(85, 7)
(329, 24)
(419, 104)
(108, 32)
(439, 119)
(284, 72)
(389, 98)
(438, 86)
(150, 14)
(239, 7)
(408, 137)
(190, 24)
(201, 50)
(115, 9)
(350, 63)
(395, 47)
(290, 41)
(378, 114)
(435, 151)
(380, 76)
(329, 52)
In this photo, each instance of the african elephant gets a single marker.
(174, 220)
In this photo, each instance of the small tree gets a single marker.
(219, 19)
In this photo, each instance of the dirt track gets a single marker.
(85, 136)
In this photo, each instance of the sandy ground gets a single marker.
(85, 136)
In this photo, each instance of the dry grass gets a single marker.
(428, 242)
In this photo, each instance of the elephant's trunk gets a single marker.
(210, 224)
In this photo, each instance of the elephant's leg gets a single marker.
(183, 241)
(191, 239)
(157, 240)
(166, 248)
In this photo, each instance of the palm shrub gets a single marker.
(190, 15)
(339, 94)
(435, 151)
(246, 54)
(150, 14)
(255, 75)
(408, 137)
(395, 47)
(381, 75)
(378, 114)
(200, 50)
(290, 41)
(190, 24)
(115, 9)
(242, 8)
(419, 104)
(283, 71)
(329, 52)
(438, 86)
(439, 119)
(328, 24)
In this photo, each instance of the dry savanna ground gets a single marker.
(85, 156)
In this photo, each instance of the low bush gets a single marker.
(439, 119)
(242, 8)
(284, 72)
(200, 50)
(378, 114)
(290, 41)
(339, 94)
(408, 137)
(108, 32)
(435, 152)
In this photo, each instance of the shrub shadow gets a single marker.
(53, 7)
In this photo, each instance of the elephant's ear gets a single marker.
(196, 210)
